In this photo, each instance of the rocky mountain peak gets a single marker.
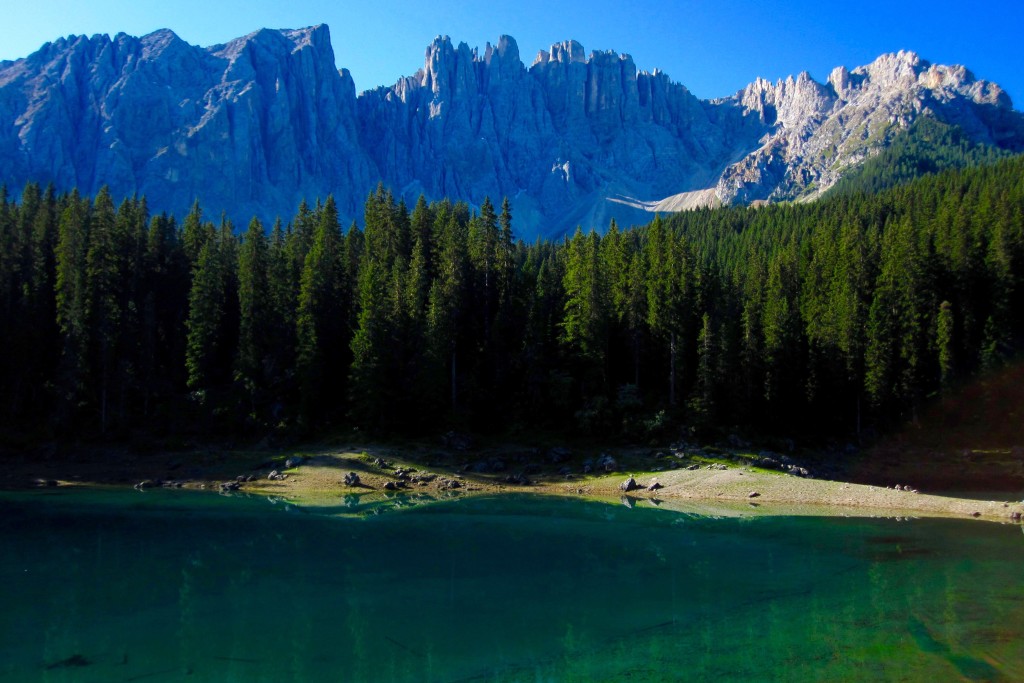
(840, 80)
(318, 37)
(565, 52)
(816, 131)
(280, 43)
(255, 124)
(507, 49)
(160, 41)
(894, 68)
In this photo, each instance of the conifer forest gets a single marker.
(825, 318)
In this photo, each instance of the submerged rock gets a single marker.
(75, 660)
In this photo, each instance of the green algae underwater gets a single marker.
(191, 586)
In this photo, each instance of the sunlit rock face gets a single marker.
(253, 126)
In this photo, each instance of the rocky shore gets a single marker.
(718, 482)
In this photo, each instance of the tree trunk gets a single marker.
(858, 419)
(672, 369)
(636, 361)
(455, 394)
(103, 407)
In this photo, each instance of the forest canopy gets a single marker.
(809, 318)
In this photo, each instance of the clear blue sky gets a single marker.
(714, 48)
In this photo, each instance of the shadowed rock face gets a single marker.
(253, 126)
(249, 127)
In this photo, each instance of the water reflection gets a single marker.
(105, 587)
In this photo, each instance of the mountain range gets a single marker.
(253, 126)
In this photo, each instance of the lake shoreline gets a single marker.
(316, 477)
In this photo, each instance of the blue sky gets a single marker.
(714, 48)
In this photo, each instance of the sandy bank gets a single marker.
(316, 478)
(319, 481)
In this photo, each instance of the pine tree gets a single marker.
(945, 342)
(256, 313)
(386, 228)
(448, 296)
(584, 325)
(483, 244)
(205, 320)
(667, 294)
(28, 236)
(505, 256)
(782, 333)
(103, 310)
(130, 250)
(282, 292)
(164, 309)
(320, 323)
(71, 293)
(370, 346)
(195, 233)
(415, 370)
(708, 379)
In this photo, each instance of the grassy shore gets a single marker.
(720, 483)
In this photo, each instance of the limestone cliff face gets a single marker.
(562, 137)
(816, 131)
(253, 126)
(248, 127)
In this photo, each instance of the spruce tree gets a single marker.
(256, 312)
(449, 297)
(667, 295)
(205, 320)
(103, 309)
(72, 298)
(320, 324)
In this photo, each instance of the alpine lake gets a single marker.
(121, 585)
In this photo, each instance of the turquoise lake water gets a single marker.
(192, 586)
